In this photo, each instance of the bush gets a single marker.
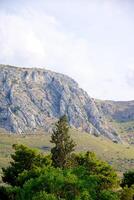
(108, 195)
(127, 193)
(8, 193)
(128, 179)
(44, 196)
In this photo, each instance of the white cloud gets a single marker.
(40, 43)
(91, 41)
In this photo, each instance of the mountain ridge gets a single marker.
(36, 97)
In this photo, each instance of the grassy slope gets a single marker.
(120, 156)
(125, 130)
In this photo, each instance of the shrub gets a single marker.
(128, 179)
(108, 195)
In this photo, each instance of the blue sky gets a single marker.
(90, 40)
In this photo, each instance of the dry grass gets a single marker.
(118, 155)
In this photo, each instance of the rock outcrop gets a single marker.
(36, 98)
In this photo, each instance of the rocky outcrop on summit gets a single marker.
(35, 98)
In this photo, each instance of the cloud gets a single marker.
(91, 41)
(32, 42)
(19, 43)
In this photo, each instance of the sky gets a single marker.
(91, 41)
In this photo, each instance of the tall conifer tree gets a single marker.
(64, 145)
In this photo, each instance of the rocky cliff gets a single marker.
(119, 115)
(36, 98)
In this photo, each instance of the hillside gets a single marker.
(34, 98)
(119, 115)
(120, 156)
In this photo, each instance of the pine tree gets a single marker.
(64, 145)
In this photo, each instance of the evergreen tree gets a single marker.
(23, 158)
(64, 145)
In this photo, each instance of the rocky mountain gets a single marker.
(36, 98)
(120, 115)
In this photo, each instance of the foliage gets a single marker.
(108, 195)
(8, 192)
(105, 149)
(44, 196)
(24, 158)
(106, 174)
(64, 145)
(88, 178)
(128, 179)
(62, 175)
(127, 193)
(63, 184)
(85, 196)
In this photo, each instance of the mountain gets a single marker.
(120, 115)
(31, 99)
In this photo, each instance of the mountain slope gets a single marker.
(35, 98)
(120, 156)
(119, 115)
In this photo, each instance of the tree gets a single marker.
(64, 145)
(94, 166)
(60, 184)
(24, 158)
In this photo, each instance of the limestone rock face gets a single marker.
(121, 111)
(36, 98)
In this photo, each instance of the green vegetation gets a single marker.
(88, 178)
(24, 159)
(128, 179)
(64, 145)
(121, 157)
(32, 175)
(35, 177)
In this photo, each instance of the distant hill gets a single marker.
(120, 116)
(36, 98)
